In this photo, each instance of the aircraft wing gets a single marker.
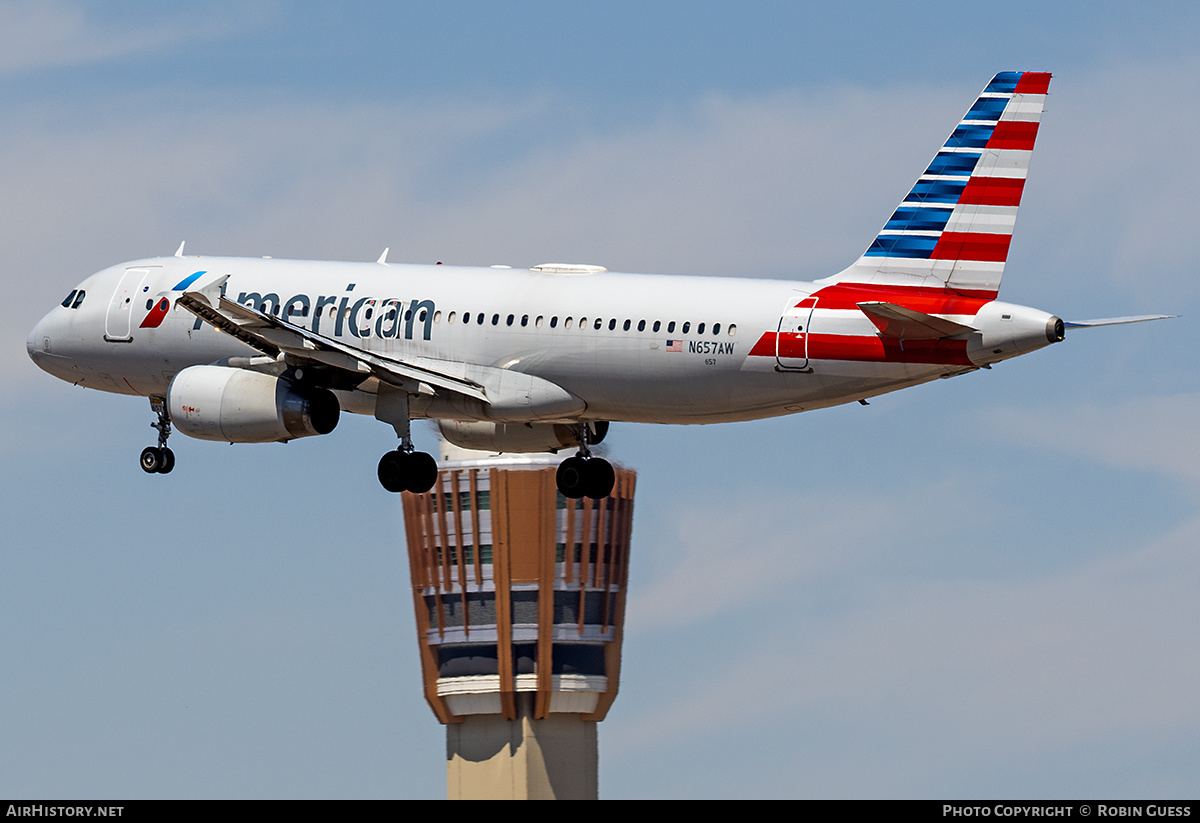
(273, 336)
(896, 321)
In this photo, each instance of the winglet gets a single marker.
(383, 257)
(211, 291)
(179, 251)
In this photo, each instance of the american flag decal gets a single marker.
(674, 345)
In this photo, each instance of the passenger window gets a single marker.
(554, 322)
(732, 329)
(612, 324)
(657, 325)
(524, 320)
(641, 325)
(495, 320)
(479, 319)
(700, 329)
(510, 320)
(671, 327)
(598, 324)
(716, 329)
(567, 323)
(450, 317)
(686, 326)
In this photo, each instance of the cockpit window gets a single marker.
(73, 299)
(66, 303)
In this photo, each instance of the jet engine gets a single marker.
(240, 406)
(515, 437)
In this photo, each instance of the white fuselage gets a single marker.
(633, 347)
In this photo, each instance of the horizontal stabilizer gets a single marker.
(897, 321)
(1115, 321)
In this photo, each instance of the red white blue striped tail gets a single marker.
(953, 229)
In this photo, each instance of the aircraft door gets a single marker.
(791, 337)
(118, 324)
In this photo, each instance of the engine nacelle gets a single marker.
(240, 406)
(507, 437)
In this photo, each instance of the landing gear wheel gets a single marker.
(599, 478)
(570, 477)
(393, 471)
(407, 471)
(156, 460)
(151, 460)
(422, 472)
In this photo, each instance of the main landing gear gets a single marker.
(407, 470)
(403, 469)
(584, 475)
(159, 459)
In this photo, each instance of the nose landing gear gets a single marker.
(159, 459)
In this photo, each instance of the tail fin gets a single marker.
(953, 229)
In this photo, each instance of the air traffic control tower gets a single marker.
(520, 603)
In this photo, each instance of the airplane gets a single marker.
(248, 350)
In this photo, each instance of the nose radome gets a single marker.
(34, 342)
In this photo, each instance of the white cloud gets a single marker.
(957, 675)
(52, 33)
(774, 544)
(1144, 433)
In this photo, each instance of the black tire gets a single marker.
(599, 478)
(422, 472)
(152, 460)
(570, 477)
(168, 461)
(393, 471)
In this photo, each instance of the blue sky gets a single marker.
(981, 587)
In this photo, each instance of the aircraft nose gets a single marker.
(35, 340)
(39, 345)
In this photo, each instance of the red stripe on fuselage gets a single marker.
(863, 348)
(926, 299)
(874, 348)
